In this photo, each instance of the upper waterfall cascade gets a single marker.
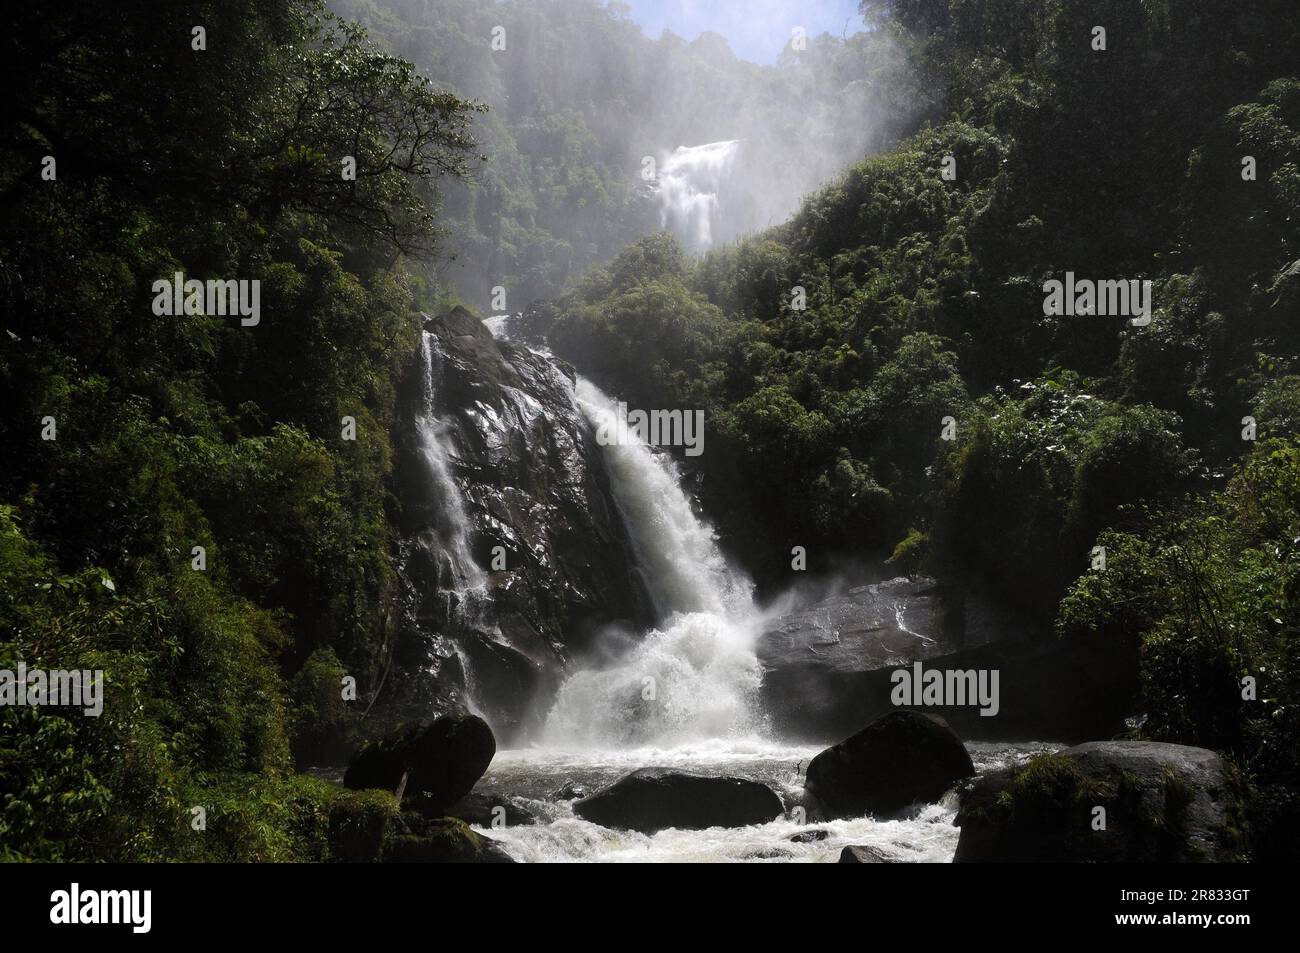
(691, 184)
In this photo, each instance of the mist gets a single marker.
(599, 134)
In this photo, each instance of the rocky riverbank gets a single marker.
(905, 781)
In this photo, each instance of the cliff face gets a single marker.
(534, 499)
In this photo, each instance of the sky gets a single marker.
(756, 30)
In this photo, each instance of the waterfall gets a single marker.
(451, 532)
(466, 601)
(690, 184)
(696, 675)
(498, 325)
(680, 562)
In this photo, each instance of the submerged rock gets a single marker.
(568, 791)
(900, 759)
(809, 837)
(483, 810)
(442, 761)
(859, 854)
(1162, 803)
(766, 853)
(653, 799)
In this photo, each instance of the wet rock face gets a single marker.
(863, 628)
(533, 482)
(814, 659)
(828, 668)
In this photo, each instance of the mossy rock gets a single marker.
(1162, 803)
(443, 840)
(358, 823)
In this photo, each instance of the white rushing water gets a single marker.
(691, 182)
(452, 527)
(498, 325)
(695, 676)
(923, 834)
(678, 552)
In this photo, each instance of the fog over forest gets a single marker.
(579, 99)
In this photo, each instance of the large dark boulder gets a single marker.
(1163, 803)
(442, 761)
(899, 759)
(653, 799)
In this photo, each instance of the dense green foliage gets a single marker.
(878, 374)
(925, 320)
(1207, 591)
(130, 438)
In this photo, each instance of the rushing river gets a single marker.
(528, 777)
